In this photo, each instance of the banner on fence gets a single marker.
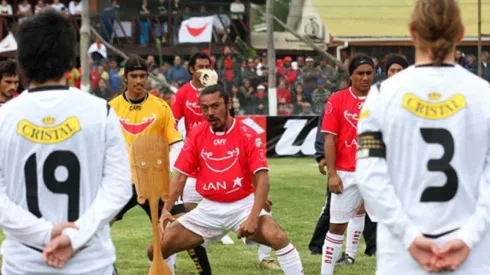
(291, 136)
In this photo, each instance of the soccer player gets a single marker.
(339, 125)
(140, 114)
(225, 156)
(63, 162)
(424, 151)
(186, 106)
(9, 80)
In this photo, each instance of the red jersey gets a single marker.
(341, 116)
(186, 106)
(283, 96)
(223, 163)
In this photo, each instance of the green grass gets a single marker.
(298, 194)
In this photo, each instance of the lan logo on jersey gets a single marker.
(49, 134)
(137, 128)
(434, 110)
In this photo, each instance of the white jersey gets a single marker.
(62, 158)
(424, 153)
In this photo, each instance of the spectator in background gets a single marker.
(306, 110)
(177, 19)
(169, 97)
(238, 100)
(156, 82)
(108, 17)
(247, 91)
(102, 90)
(459, 58)
(319, 96)
(221, 26)
(379, 75)
(6, 8)
(485, 66)
(329, 74)
(284, 110)
(395, 63)
(58, 6)
(115, 77)
(471, 64)
(283, 94)
(202, 10)
(237, 9)
(178, 72)
(164, 67)
(186, 14)
(250, 72)
(299, 99)
(40, 6)
(286, 71)
(73, 77)
(259, 102)
(150, 61)
(97, 51)
(300, 60)
(161, 27)
(144, 12)
(75, 7)
(24, 9)
(228, 69)
(310, 76)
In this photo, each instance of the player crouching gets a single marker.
(225, 155)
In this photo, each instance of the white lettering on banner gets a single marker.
(252, 124)
(214, 186)
(285, 147)
(221, 141)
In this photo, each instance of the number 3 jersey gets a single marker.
(424, 152)
(62, 158)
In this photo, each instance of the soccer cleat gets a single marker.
(269, 263)
(227, 240)
(345, 260)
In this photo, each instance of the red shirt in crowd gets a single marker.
(289, 74)
(283, 96)
(340, 119)
(187, 106)
(224, 163)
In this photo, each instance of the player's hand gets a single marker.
(453, 254)
(335, 184)
(57, 229)
(321, 166)
(268, 205)
(248, 227)
(425, 252)
(165, 219)
(58, 251)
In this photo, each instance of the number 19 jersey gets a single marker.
(62, 158)
(424, 155)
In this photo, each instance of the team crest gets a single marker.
(258, 142)
(137, 128)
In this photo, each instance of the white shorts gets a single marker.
(212, 220)
(343, 207)
(103, 271)
(190, 194)
(391, 255)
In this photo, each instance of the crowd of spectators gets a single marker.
(303, 83)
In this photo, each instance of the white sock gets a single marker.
(330, 252)
(171, 262)
(289, 260)
(354, 231)
(264, 252)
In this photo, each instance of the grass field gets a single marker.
(298, 194)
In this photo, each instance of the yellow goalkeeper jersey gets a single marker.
(148, 116)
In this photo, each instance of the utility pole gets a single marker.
(479, 39)
(84, 41)
(271, 58)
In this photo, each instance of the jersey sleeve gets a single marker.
(178, 106)
(256, 153)
(20, 223)
(115, 189)
(373, 177)
(478, 225)
(331, 123)
(187, 161)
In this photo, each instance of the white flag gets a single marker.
(196, 30)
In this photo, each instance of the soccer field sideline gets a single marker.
(298, 194)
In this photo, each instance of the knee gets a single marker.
(279, 240)
(337, 228)
(164, 249)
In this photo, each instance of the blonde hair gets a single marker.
(438, 23)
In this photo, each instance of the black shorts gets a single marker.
(177, 209)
